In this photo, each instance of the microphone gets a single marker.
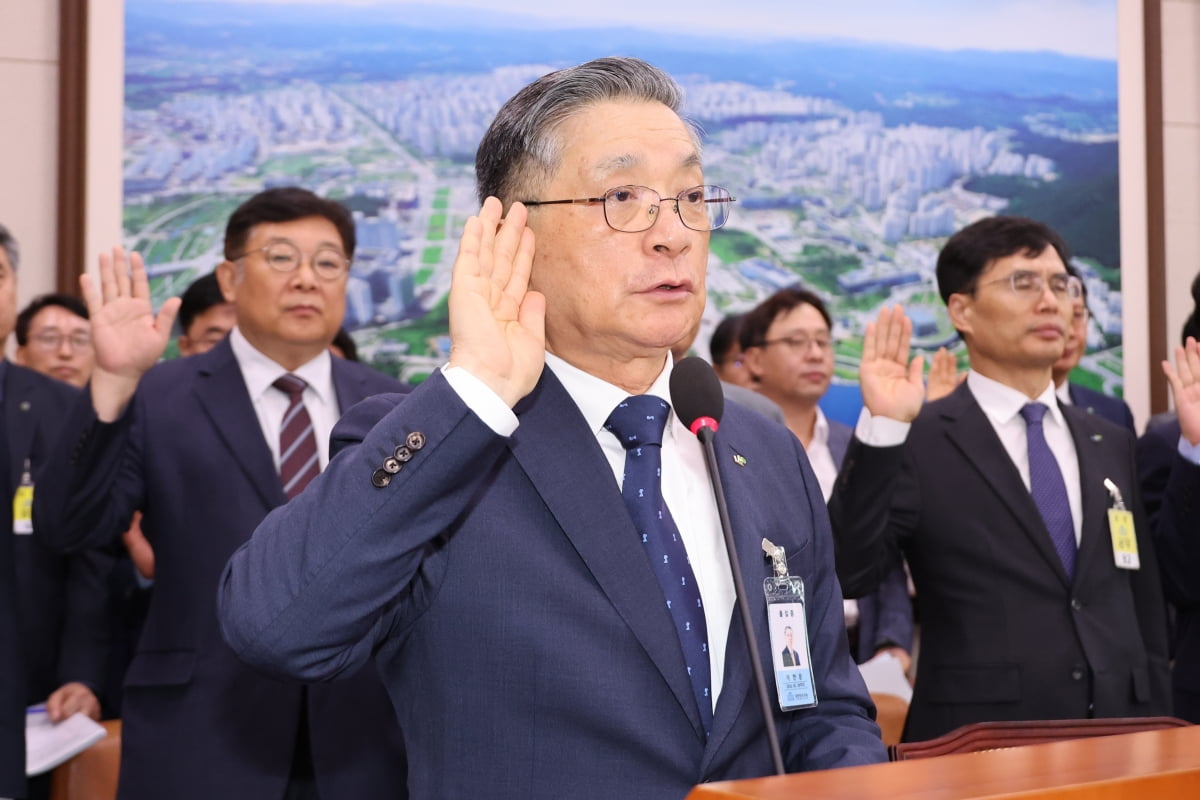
(699, 403)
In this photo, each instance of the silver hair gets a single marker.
(521, 150)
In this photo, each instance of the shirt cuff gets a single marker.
(486, 404)
(1189, 451)
(880, 431)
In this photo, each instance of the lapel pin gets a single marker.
(25, 405)
(739, 459)
(1097, 437)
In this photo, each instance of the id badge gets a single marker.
(791, 659)
(22, 510)
(1120, 528)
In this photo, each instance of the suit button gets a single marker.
(1077, 674)
(380, 479)
(403, 454)
(1076, 605)
(391, 466)
(415, 440)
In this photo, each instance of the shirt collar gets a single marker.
(1064, 393)
(820, 435)
(596, 398)
(1002, 403)
(259, 371)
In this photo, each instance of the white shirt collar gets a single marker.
(1064, 393)
(259, 371)
(820, 437)
(597, 398)
(1002, 403)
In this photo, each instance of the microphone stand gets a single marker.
(705, 435)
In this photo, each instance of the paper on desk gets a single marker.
(884, 675)
(47, 745)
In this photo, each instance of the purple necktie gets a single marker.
(298, 462)
(1048, 488)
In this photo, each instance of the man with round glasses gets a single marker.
(205, 447)
(491, 506)
(1020, 517)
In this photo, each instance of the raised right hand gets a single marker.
(497, 324)
(891, 384)
(127, 335)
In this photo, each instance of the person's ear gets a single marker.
(752, 359)
(227, 279)
(961, 308)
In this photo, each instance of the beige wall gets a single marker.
(29, 136)
(28, 141)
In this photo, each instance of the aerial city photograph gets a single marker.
(855, 140)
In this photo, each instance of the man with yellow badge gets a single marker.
(59, 654)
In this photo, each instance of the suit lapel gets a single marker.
(587, 505)
(969, 430)
(1090, 452)
(737, 483)
(349, 385)
(222, 394)
(19, 416)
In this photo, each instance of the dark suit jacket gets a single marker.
(1171, 491)
(198, 723)
(1004, 635)
(61, 599)
(522, 546)
(885, 616)
(1113, 409)
(12, 668)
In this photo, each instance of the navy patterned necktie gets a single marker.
(1048, 488)
(638, 423)
(298, 462)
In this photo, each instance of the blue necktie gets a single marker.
(1048, 488)
(638, 423)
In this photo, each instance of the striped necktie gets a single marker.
(298, 463)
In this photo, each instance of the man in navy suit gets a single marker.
(487, 505)
(60, 600)
(787, 346)
(197, 444)
(1168, 458)
(999, 499)
(1113, 409)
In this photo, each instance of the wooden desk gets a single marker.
(1163, 765)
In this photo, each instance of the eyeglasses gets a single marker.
(1031, 285)
(633, 209)
(53, 340)
(329, 264)
(801, 344)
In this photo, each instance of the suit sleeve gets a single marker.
(84, 642)
(347, 538)
(1170, 488)
(91, 482)
(840, 731)
(893, 615)
(873, 503)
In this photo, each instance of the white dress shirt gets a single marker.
(821, 457)
(685, 483)
(1002, 405)
(270, 404)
